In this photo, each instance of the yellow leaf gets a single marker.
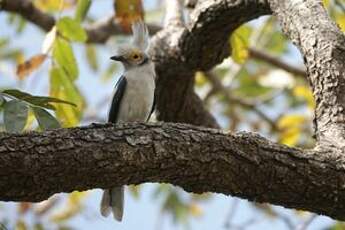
(128, 11)
(325, 3)
(54, 5)
(200, 78)
(30, 121)
(340, 19)
(62, 87)
(76, 197)
(30, 65)
(195, 210)
(290, 127)
(306, 94)
(239, 42)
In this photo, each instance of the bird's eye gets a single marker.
(136, 56)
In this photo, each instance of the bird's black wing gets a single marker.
(120, 88)
(153, 106)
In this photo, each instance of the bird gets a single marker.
(133, 100)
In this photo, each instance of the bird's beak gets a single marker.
(117, 58)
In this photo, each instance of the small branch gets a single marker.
(257, 54)
(27, 10)
(234, 100)
(98, 32)
(173, 13)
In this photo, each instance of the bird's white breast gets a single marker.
(137, 100)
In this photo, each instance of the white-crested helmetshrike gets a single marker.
(133, 100)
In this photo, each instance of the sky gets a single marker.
(145, 212)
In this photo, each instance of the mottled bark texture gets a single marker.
(35, 165)
(322, 44)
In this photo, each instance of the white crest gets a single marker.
(141, 37)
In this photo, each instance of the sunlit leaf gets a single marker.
(53, 5)
(91, 57)
(30, 121)
(15, 115)
(325, 3)
(45, 119)
(83, 7)
(195, 210)
(128, 11)
(239, 42)
(341, 21)
(290, 127)
(62, 87)
(306, 94)
(71, 29)
(200, 79)
(30, 65)
(63, 54)
(134, 190)
(41, 101)
(49, 40)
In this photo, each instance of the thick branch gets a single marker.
(323, 46)
(180, 51)
(34, 166)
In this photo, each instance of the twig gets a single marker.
(219, 87)
(231, 214)
(99, 32)
(254, 53)
(174, 13)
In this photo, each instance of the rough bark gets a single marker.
(322, 44)
(180, 50)
(37, 165)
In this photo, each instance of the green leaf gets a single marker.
(61, 86)
(35, 100)
(15, 115)
(45, 119)
(71, 29)
(83, 7)
(239, 42)
(63, 54)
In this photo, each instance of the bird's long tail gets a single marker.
(112, 201)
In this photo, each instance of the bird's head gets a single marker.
(134, 54)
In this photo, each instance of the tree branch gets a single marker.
(322, 44)
(257, 54)
(37, 165)
(98, 32)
